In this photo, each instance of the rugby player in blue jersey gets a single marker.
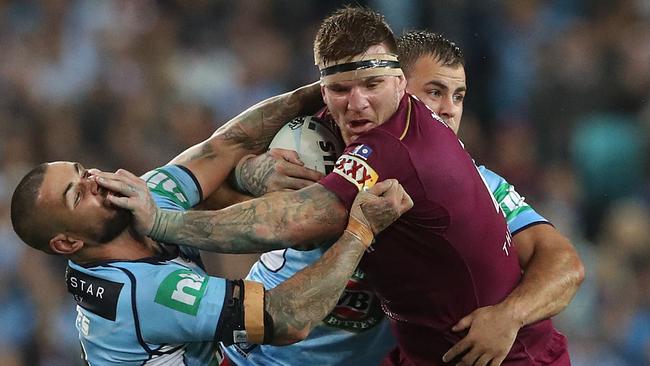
(142, 302)
(434, 68)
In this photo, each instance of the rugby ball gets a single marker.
(315, 141)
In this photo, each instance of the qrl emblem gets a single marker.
(356, 171)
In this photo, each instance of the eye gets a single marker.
(459, 97)
(434, 93)
(337, 89)
(77, 198)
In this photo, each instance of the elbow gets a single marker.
(285, 334)
(579, 270)
(292, 337)
(576, 267)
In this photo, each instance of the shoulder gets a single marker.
(173, 187)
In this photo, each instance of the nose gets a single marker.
(90, 184)
(447, 108)
(357, 100)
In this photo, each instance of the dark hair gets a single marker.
(350, 31)
(414, 44)
(24, 211)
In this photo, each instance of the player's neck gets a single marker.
(126, 246)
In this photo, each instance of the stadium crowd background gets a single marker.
(558, 104)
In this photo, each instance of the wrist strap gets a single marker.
(165, 221)
(360, 231)
(254, 311)
(240, 164)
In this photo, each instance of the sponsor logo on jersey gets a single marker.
(94, 294)
(511, 202)
(164, 184)
(356, 171)
(362, 151)
(182, 290)
(358, 308)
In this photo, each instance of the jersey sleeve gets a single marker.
(373, 157)
(173, 187)
(519, 214)
(179, 305)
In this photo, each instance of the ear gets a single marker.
(322, 92)
(65, 245)
(401, 83)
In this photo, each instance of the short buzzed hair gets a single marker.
(415, 44)
(24, 211)
(350, 31)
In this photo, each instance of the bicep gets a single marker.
(541, 238)
(186, 307)
(210, 161)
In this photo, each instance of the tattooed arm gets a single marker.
(275, 170)
(248, 133)
(278, 220)
(300, 303)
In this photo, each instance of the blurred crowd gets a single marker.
(558, 103)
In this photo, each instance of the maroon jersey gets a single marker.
(451, 253)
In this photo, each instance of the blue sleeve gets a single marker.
(519, 214)
(179, 305)
(173, 187)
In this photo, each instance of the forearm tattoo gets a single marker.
(301, 302)
(254, 128)
(254, 176)
(275, 221)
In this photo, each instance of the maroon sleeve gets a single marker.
(373, 157)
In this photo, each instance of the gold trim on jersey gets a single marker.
(408, 121)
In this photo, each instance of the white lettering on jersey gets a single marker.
(82, 322)
(81, 284)
(507, 243)
(190, 280)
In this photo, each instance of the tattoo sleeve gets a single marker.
(279, 220)
(254, 128)
(248, 133)
(254, 176)
(300, 303)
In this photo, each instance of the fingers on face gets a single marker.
(115, 184)
(122, 202)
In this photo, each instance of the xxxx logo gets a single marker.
(356, 171)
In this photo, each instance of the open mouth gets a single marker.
(359, 123)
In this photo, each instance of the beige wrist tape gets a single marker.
(254, 311)
(360, 231)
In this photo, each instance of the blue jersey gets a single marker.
(519, 215)
(162, 310)
(356, 332)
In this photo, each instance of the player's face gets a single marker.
(78, 206)
(440, 87)
(363, 104)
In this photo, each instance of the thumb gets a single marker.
(382, 187)
(462, 324)
(287, 155)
